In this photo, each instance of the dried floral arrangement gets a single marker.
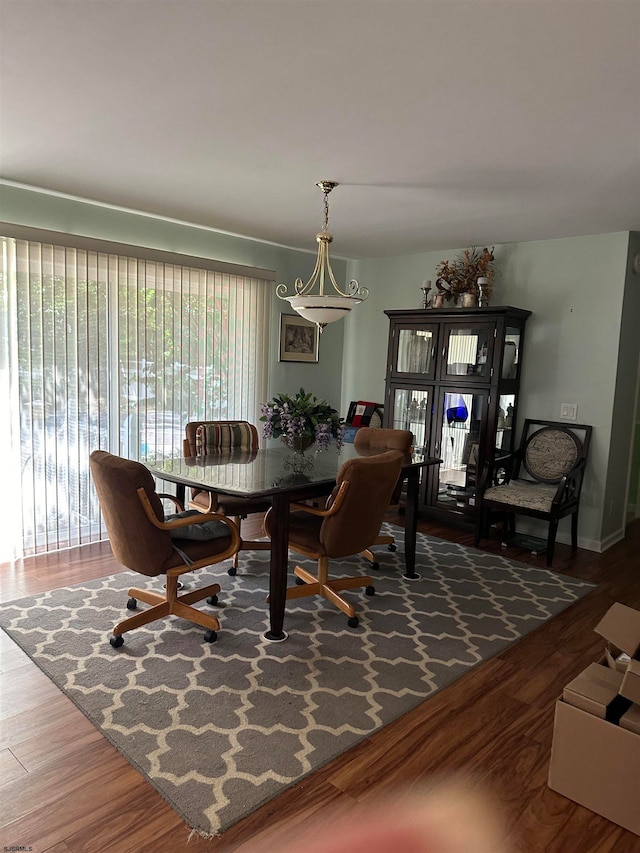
(462, 274)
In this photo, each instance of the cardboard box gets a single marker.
(620, 626)
(596, 764)
(621, 662)
(631, 719)
(595, 759)
(630, 686)
(594, 689)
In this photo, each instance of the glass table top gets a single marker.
(264, 472)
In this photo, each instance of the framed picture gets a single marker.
(298, 339)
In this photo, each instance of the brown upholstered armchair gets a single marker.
(348, 524)
(203, 438)
(142, 541)
(369, 440)
(541, 479)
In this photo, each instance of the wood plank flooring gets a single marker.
(65, 789)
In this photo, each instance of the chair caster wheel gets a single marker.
(392, 547)
(375, 566)
(132, 604)
(210, 637)
(353, 621)
(370, 590)
(232, 572)
(116, 641)
(212, 600)
(299, 582)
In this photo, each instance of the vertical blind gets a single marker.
(108, 350)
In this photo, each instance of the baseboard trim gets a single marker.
(612, 539)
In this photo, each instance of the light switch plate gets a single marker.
(569, 411)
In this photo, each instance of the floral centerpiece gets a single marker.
(302, 419)
(462, 274)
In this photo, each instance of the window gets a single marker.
(104, 348)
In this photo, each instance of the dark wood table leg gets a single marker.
(180, 494)
(411, 524)
(278, 568)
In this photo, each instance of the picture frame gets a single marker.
(298, 339)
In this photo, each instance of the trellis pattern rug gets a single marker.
(220, 729)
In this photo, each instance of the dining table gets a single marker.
(282, 477)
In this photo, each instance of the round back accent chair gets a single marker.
(370, 440)
(144, 542)
(207, 438)
(349, 522)
(541, 479)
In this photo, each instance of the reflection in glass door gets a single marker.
(511, 353)
(415, 351)
(467, 352)
(504, 426)
(412, 410)
(459, 446)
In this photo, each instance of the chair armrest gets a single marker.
(213, 500)
(174, 500)
(324, 513)
(499, 471)
(570, 485)
(312, 510)
(185, 522)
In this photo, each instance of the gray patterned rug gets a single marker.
(220, 729)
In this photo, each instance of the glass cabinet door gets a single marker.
(415, 351)
(467, 353)
(458, 445)
(411, 410)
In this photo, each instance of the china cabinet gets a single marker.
(452, 378)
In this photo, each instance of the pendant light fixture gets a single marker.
(321, 307)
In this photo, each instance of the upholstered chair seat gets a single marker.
(524, 494)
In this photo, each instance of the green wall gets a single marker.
(575, 289)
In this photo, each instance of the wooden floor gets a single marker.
(64, 789)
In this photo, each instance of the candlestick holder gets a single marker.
(426, 289)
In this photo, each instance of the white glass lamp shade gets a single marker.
(323, 309)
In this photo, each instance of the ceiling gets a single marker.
(447, 123)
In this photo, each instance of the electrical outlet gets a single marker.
(569, 411)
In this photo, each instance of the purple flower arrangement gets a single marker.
(291, 418)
